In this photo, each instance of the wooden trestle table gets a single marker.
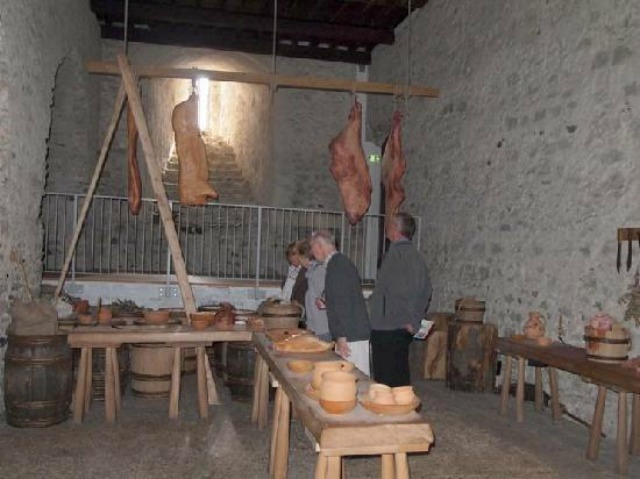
(623, 381)
(111, 338)
(358, 432)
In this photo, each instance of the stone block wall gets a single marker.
(527, 163)
(42, 48)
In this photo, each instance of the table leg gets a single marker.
(263, 407)
(334, 467)
(78, 401)
(506, 385)
(321, 467)
(556, 412)
(274, 430)
(174, 394)
(634, 443)
(116, 379)
(256, 389)
(520, 391)
(282, 441)
(596, 425)
(109, 393)
(202, 383)
(539, 395)
(388, 466)
(88, 389)
(212, 392)
(622, 451)
(402, 466)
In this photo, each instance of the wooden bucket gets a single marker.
(151, 370)
(469, 310)
(240, 364)
(280, 322)
(38, 380)
(471, 356)
(610, 347)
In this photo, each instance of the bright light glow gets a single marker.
(203, 103)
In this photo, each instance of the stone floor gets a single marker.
(472, 441)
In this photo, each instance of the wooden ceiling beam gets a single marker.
(309, 83)
(234, 41)
(300, 30)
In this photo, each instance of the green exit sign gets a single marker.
(374, 158)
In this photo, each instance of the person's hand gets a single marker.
(342, 348)
(320, 303)
(409, 328)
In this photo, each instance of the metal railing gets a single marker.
(218, 240)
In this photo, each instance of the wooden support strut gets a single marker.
(135, 103)
(281, 81)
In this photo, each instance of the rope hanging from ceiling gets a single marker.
(126, 26)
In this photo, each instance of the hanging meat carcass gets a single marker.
(394, 166)
(349, 167)
(133, 171)
(193, 176)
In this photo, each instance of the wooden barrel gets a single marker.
(471, 356)
(189, 357)
(276, 309)
(38, 380)
(151, 370)
(610, 347)
(435, 352)
(469, 310)
(240, 364)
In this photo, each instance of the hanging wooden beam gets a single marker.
(108, 137)
(153, 167)
(281, 81)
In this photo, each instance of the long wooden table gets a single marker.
(358, 432)
(568, 358)
(178, 336)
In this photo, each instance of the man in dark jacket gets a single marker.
(346, 309)
(398, 303)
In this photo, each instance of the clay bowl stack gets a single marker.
(338, 392)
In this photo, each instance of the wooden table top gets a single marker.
(357, 432)
(90, 336)
(574, 360)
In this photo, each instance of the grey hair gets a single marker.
(324, 236)
(406, 224)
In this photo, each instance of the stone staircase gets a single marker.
(224, 174)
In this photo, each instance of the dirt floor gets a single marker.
(472, 441)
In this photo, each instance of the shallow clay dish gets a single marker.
(338, 407)
(390, 410)
(160, 316)
(300, 366)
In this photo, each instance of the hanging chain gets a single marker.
(408, 84)
(273, 45)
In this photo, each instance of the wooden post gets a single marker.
(634, 443)
(556, 412)
(212, 392)
(596, 425)
(402, 466)
(282, 441)
(202, 383)
(274, 430)
(321, 467)
(539, 395)
(506, 386)
(88, 387)
(622, 453)
(256, 389)
(135, 104)
(108, 137)
(78, 400)
(174, 393)
(520, 391)
(334, 469)
(109, 398)
(116, 378)
(263, 407)
(388, 467)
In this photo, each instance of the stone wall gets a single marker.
(527, 163)
(42, 48)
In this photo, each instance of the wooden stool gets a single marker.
(622, 448)
(112, 396)
(556, 412)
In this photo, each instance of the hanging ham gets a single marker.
(193, 175)
(394, 166)
(133, 171)
(349, 167)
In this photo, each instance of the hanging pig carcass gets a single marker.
(394, 166)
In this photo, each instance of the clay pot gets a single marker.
(104, 315)
(535, 326)
(338, 386)
(206, 317)
(225, 317)
(81, 307)
(199, 323)
(160, 316)
(321, 367)
(337, 407)
(85, 319)
(403, 394)
(375, 388)
(300, 366)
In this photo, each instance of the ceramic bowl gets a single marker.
(383, 398)
(375, 387)
(199, 324)
(207, 317)
(337, 407)
(300, 366)
(405, 397)
(402, 389)
(160, 316)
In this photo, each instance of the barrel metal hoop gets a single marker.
(609, 358)
(596, 339)
(37, 361)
